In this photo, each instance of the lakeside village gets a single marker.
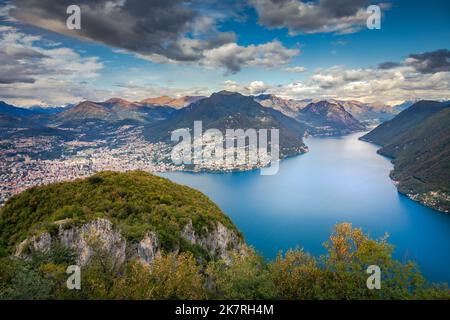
(26, 162)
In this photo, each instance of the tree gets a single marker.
(295, 275)
(245, 276)
(171, 276)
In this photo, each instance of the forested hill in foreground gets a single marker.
(419, 141)
(138, 236)
(150, 213)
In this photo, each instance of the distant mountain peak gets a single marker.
(330, 115)
(266, 96)
(121, 103)
(323, 107)
(85, 110)
(226, 92)
(87, 104)
(117, 100)
(177, 103)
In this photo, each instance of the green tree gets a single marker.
(245, 276)
(26, 283)
(171, 276)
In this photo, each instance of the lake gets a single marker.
(341, 179)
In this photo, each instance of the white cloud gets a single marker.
(341, 17)
(367, 85)
(230, 57)
(297, 69)
(31, 74)
(253, 88)
(233, 57)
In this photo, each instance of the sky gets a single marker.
(136, 49)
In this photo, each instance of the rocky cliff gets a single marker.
(101, 235)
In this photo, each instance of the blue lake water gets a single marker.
(340, 180)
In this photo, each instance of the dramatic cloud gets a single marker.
(162, 31)
(297, 16)
(140, 26)
(425, 63)
(430, 62)
(35, 71)
(33, 74)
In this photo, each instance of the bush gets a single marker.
(171, 276)
(244, 277)
(295, 275)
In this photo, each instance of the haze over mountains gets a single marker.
(331, 117)
(223, 110)
(159, 108)
(177, 103)
(153, 110)
(369, 112)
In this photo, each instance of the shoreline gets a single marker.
(420, 198)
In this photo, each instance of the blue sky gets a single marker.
(246, 46)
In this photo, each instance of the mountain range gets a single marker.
(365, 112)
(369, 112)
(114, 109)
(222, 110)
(120, 109)
(156, 113)
(289, 107)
